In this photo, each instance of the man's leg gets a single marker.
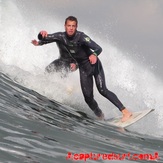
(101, 86)
(87, 89)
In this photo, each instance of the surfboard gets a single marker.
(136, 116)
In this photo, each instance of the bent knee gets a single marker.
(103, 92)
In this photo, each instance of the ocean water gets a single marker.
(44, 119)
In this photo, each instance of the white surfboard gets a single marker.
(134, 118)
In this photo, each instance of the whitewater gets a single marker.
(43, 117)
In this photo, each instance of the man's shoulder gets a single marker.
(80, 33)
(60, 33)
(84, 37)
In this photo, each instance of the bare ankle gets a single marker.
(126, 115)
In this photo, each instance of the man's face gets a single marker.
(70, 27)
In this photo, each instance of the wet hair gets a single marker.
(71, 18)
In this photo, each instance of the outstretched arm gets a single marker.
(41, 35)
(45, 38)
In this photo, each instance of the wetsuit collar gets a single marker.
(70, 37)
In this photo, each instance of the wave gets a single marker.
(136, 86)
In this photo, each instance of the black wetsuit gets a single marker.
(77, 49)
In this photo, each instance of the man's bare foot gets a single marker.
(126, 115)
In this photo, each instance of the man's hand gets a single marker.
(72, 66)
(93, 59)
(35, 42)
(44, 33)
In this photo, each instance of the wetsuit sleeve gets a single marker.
(87, 41)
(49, 39)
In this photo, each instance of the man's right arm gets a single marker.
(48, 38)
(45, 38)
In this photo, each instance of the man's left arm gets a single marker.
(93, 46)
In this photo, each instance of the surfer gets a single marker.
(78, 49)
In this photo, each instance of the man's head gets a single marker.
(71, 24)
